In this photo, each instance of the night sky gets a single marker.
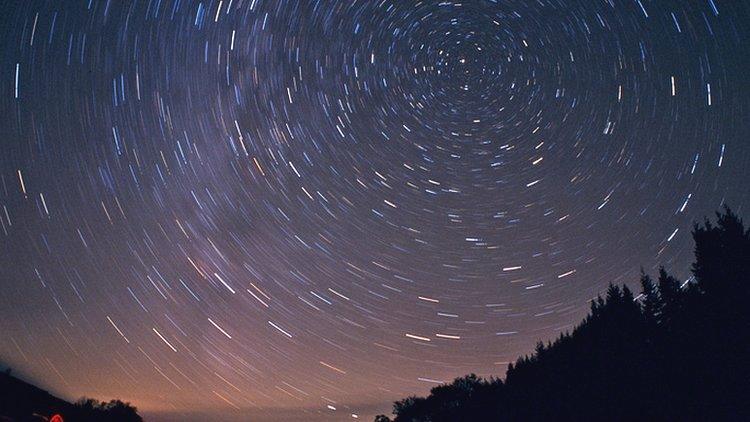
(267, 209)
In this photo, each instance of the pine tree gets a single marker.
(669, 297)
(613, 293)
(650, 300)
(722, 257)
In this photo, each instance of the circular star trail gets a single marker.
(307, 209)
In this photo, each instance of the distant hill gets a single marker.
(23, 402)
(678, 351)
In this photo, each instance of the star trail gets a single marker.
(304, 210)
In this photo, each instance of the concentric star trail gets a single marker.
(280, 210)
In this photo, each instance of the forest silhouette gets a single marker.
(23, 402)
(675, 352)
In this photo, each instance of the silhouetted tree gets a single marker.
(669, 296)
(650, 301)
(722, 257)
(114, 410)
(21, 401)
(680, 352)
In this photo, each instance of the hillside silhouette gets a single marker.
(675, 352)
(23, 402)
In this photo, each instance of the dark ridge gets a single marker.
(22, 402)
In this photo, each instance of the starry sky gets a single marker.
(280, 210)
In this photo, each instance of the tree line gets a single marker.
(24, 402)
(675, 351)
